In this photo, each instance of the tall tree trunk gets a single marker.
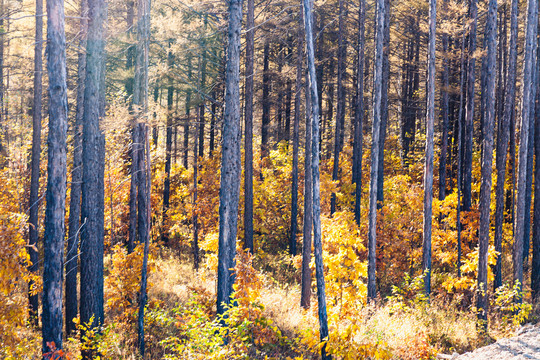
(135, 172)
(265, 101)
(528, 101)
(187, 120)
(469, 113)
(428, 169)
(358, 142)
(248, 129)
(384, 104)
(168, 151)
(535, 270)
(296, 136)
(305, 299)
(195, 216)
(502, 140)
(140, 99)
(72, 255)
(213, 125)
(229, 193)
(317, 240)
(444, 111)
(288, 101)
(33, 201)
(340, 113)
(203, 90)
(53, 238)
(460, 121)
(375, 149)
(487, 162)
(93, 154)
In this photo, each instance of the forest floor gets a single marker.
(525, 345)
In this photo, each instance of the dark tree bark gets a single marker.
(140, 100)
(384, 104)
(375, 149)
(317, 240)
(93, 154)
(359, 114)
(444, 101)
(212, 144)
(72, 255)
(33, 201)
(502, 140)
(168, 150)
(265, 101)
(229, 193)
(340, 113)
(53, 238)
(134, 188)
(248, 129)
(469, 113)
(186, 123)
(526, 120)
(305, 298)
(460, 121)
(428, 167)
(296, 136)
(203, 89)
(195, 216)
(487, 162)
(279, 90)
(535, 269)
(288, 101)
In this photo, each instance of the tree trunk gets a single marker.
(528, 101)
(168, 151)
(187, 120)
(359, 115)
(296, 136)
(469, 113)
(502, 140)
(384, 104)
(72, 256)
(229, 193)
(288, 101)
(305, 298)
(375, 149)
(195, 217)
(93, 155)
(203, 90)
(428, 169)
(444, 111)
(53, 238)
(317, 240)
(213, 125)
(340, 113)
(265, 101)
(135, 171)
(248, 130)
(33, 201)
(535, 270)
(487, 162)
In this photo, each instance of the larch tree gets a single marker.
(469, 113)
(72, 256)
(428, 167)
(487, 162)
(248, 128)
(503, 138)
(527, 103)
(33, 200)
(296, 140)
(229, 192)
(315, 176)
(340, 111)
(53, 238)
(358, 141)
(375, 153)
(93, 161)
(140, 102)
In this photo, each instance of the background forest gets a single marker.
(267, 179)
